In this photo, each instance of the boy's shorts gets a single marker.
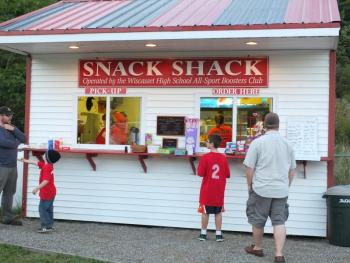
(205, 209)
(260, 208)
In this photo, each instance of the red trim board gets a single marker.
(26, 131)
(331, 118)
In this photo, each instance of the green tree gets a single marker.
(12, 66)
(343, 52)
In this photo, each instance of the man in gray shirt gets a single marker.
(10, 138)
(270, 164)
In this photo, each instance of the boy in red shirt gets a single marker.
(214, 169)
(47, 189)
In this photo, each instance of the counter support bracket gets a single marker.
(303, 163)
(91, 161)
(142, 162)
(191, 160)
(38, 155)
(304, 166)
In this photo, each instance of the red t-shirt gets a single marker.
(48, 192)
(225, 133)
(119, 133)
(101, 137)
(214, 169)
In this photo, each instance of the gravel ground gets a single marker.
(124, 243)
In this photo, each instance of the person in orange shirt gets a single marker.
(119, 130)
(221, 129)
(101, 136)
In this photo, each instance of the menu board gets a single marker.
(171, 125)
(302, 134)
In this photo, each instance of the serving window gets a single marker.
(216, 117)
(250, 116)
(122, 116)
(234, 119)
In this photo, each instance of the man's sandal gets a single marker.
(256, 252)
(280, 259)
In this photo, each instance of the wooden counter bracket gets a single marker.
(191, 160)
(142, 162)
(38, 155)
(304, 164)
(91, 161)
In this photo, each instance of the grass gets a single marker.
(342, 165)
(13, 254)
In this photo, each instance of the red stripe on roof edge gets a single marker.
(29, 14)
(169, 29)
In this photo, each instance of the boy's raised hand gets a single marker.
(35, 190)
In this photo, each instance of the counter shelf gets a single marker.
(90, 153)
(242, 156)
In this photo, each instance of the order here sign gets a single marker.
(199, 72)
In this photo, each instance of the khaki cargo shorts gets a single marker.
(260, 208)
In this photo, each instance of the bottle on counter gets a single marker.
(148, 138)
(50, 144)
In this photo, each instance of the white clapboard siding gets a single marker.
(120, 192)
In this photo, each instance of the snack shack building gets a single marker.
(103, 75)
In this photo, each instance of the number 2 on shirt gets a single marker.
(215, 168)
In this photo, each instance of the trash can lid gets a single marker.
(338, 190)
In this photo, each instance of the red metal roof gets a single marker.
(188, 13)
(79, 16)
(312, 11)
(137, 14)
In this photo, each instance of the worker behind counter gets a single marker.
(119, 128)
(101, 136)
(225, 131)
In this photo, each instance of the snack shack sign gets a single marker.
(223, 72)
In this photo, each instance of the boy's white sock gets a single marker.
(203, 231)
(218, 233)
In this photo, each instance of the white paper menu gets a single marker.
(302, 134)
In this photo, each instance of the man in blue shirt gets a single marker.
(10, 138)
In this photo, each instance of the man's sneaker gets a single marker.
(219, 238)
(43, 230)
(48, 229)
(202, 237)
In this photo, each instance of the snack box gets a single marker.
(152, 148)
(180, 152)
(166, 150)
(138, 148)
